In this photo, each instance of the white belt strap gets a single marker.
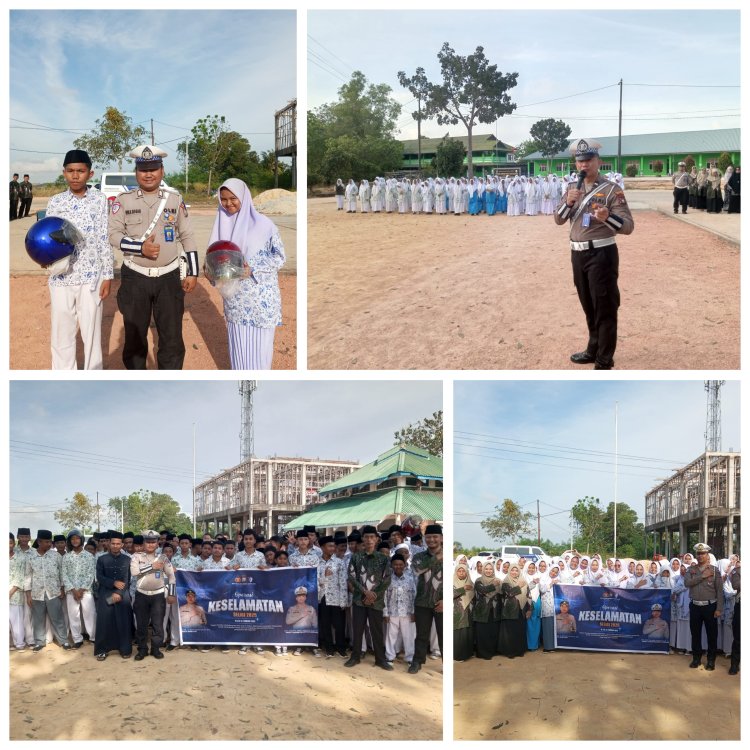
(591, 244)
(154, 271)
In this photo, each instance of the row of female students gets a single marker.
(507, 607)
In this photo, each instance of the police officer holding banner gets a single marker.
(597, 211)
(146, 224)
(155, 578)
(706, 605)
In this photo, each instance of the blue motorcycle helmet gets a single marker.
(51, 241)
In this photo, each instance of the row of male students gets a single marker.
(377, 590)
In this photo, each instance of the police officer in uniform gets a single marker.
(597, 211)
(154, 576)
(15, 189)
(145, 224)
(26, 195)
(681, 181)
(706, 605)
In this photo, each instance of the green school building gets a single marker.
(644, 151)
(488, 153)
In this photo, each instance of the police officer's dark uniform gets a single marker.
(594, 254)
(152, 285)
(706, 588)
(26, 195)
(150, 603)
(14, 196)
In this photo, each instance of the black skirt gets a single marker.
(511, 640)
(486, 639)
(463, 644)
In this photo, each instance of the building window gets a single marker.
(510, 157)
(605, 167)
(387, 483)
(542, 167)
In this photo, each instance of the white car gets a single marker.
(114, 183)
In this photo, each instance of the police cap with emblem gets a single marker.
(148, 157)
(700, 547)
(300, 590)
(583, 150)
(656, 608)
(150, 536)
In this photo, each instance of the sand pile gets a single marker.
(276, 201)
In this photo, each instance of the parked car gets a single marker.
(526, 552)
(114, 183)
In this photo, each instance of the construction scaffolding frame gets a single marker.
(285, 139)
(700, 502)
(264, 493)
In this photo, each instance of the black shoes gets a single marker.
(351, 662)
(139, 656)
(157, 654)
(171, 647)
(734, 668)
(414, 667)
(695, 663)
(36, 649)
(582, 358)
(66, 646)
(78, 645)
(710, 666)
(598, 366)
(385, 665)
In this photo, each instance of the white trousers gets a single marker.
(340, 202)
(28, 626)
(400, 633)
(83, 611)
(250, 347)
(172, 614)
(17, 624)
(73, 307)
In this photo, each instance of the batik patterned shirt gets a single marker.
(369, 572)
(44, 575)
(93, 258)
(78, 571)
(17, 577)
(429, 571)
(333, 587)
(191, 562)
(250, 562)
(211, 564)
(399, 598)
(309, 560)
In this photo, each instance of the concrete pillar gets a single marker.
(730, 523)
(704, 528)
(683, 538)
(269, 524)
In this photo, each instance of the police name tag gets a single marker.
(169, 234)
(586, 220)
(158, 574)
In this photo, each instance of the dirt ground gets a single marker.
(575, 695)
(481, 292)
(68, 695)
(204, 329)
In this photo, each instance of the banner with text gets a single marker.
(273, 607)
(596, 618)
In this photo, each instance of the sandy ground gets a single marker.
(59, 695)
(204, 329)
(449, 292)
(574, 695)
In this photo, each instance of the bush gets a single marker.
(631, 170)
(658, 167)
(725, 160)
(689, 162)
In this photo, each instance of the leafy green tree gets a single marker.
(360, 158)
(689, 162)
(210, 145)
(316, 148)
(589, 519)
(419, 87)
(145, 509)
(508, 521)
(449, 157)
(631, 170)
(426, 434)
(551, 135)
(631, 539)
(112, 138)
(527, 147)
(472, 91)
(658, 167)
(79, 513)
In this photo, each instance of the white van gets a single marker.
(114, 183)
(526, 552)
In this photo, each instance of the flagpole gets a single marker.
(615, 509)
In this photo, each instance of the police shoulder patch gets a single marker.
(116, 206)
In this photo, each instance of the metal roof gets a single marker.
(372, 508)
(479, 142)
(683, 143)
(401, 460)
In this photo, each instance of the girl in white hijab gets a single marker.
(350, 194)
(620, 576)
(726, 566)
(548, 606)
(679, 628)
(533, 624)
(639, 579)
(339, 194)
(596, 576)
(254, 311)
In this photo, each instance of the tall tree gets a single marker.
(112, 138)
(551, 135)
(80, 513)
(419, 87)
(210, 144)
(449, 157)
(472, 91)
(524, 148)
(427, 434)
(589, 519)
(508, 521)
(145, 509)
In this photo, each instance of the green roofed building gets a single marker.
(646, 151)
(489, 154)
(403, 481)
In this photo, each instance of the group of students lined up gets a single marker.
(515, 196)
(507, 606)
(380, 590)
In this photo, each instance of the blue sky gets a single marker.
(151, 425)
(66, 67)
(557, 54)
(508, 438)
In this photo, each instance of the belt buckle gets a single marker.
(154, 272)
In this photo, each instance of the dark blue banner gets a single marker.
(273, 607)
(595, 618)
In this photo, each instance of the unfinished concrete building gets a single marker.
(264, 493)
(700, 503)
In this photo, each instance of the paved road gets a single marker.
(202, 220)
